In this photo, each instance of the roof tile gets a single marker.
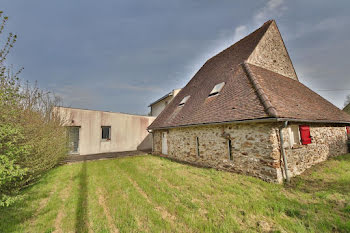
(257, 94)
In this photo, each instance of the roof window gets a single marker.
(217, 89)
(184, 100)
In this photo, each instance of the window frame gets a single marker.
(184, 100)
(197, 146)
(292, 129)
(217, 88)
(109, 133)
(229, 149)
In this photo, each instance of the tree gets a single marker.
(10, 134)
(347, 100)
(32, 136)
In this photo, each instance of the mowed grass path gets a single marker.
(152, 194)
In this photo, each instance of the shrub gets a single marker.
(32, 136)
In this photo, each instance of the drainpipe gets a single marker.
(283, 152)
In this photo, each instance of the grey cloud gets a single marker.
(122, 55)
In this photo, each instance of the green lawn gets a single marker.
(152, 194)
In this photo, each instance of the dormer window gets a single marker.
(184, 100)
(217, 89)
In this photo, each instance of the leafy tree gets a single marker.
(32, 136)
(347, 101)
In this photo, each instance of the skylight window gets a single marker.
(184, 100)
(217, 89)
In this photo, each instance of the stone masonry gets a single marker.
(327, 141)
(251, 148)
(271, 54)
(255, 148)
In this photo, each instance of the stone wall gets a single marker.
(251, 148)
(255, 148)
(271, 54)
(327, 141)
(157, 142)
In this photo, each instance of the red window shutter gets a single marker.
(348, 130)
(305, 134)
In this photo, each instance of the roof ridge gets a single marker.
(267, 23)
(270, 110)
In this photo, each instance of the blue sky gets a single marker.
(122, 55)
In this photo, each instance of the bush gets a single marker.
(32, 136)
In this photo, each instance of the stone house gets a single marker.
(159, 105)
(246, 111)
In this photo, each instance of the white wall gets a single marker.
(158, 107)
(127, 131)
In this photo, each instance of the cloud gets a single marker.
(77, 96)
(240, 32)
(226, 38)
(138, 88)
(272, 9)
(327, 25)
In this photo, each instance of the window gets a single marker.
(197, 146)
(106, 133)
(217, 89)
(229, 147)
(294, 135)
(184, 100)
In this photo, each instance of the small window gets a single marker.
(106, 132)
(217, 89)
(294, 135)
(197, 146)
(184, 100)
(229, 147)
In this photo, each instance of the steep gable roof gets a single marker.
(220, 68)
(242, 97)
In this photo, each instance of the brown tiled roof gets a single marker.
(294, 100)
(220, 68)
(250, 92)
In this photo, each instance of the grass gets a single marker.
(152, 194)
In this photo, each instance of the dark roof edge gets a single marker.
(86, 109)
(220, 123)
(313, 121)
(160, 99)
(258, 120)
(270, 110)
